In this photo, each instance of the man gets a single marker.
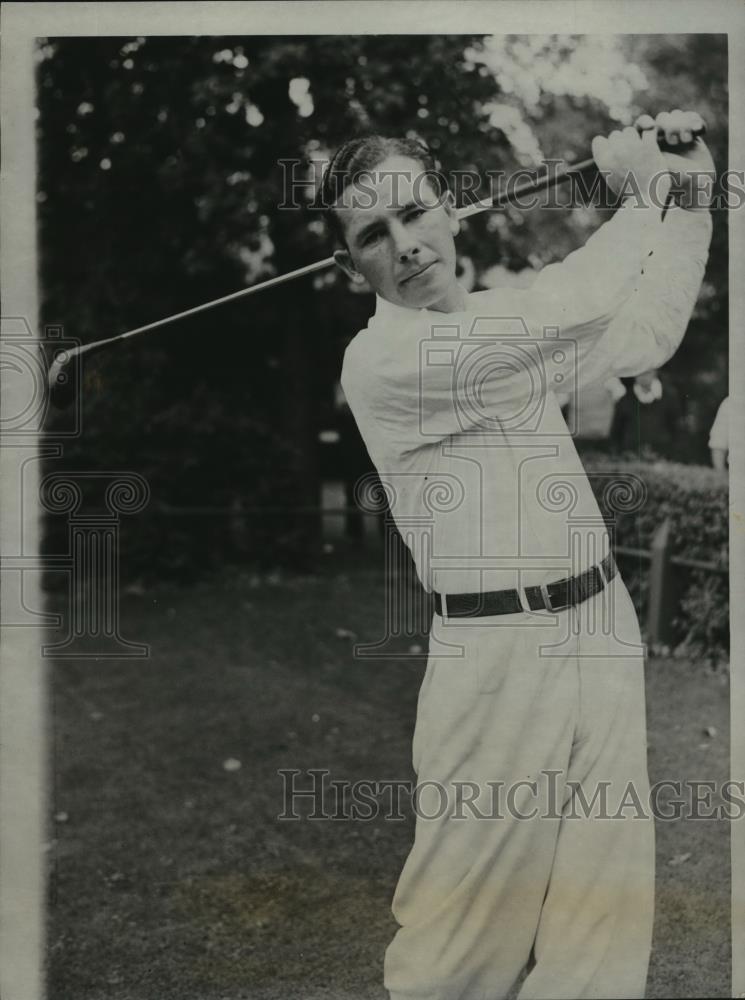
(719, 437)
(534, 685)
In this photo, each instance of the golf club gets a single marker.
(62, 370)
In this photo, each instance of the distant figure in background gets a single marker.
(590, 413)
(719, 436)
(646, 419)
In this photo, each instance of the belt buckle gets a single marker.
(608, 569)
(444, 606)
(547, 598)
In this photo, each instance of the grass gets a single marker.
(171, 877)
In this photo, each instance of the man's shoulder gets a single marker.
(375, 345)
(500, 302)
(360, 344)
(358, 359)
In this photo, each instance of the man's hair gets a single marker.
(360, 156)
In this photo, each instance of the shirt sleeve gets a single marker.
(410, 384)
(649, 327)
(592, 281)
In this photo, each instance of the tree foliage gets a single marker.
(162, 185)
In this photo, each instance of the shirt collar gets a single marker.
(390, 312)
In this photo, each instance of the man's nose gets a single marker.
(405, 244)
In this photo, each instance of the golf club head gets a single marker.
(62, 378)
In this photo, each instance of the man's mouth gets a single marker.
(416, 274)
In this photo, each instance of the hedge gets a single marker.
(153, 546)
(695, 500)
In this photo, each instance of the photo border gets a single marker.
(24, 770)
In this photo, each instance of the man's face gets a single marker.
(399, 235)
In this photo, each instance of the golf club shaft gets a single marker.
(251, 290)
(527, 187)
(505, 197)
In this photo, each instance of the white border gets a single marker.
(22, 778)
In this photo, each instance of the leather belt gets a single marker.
(545, 597)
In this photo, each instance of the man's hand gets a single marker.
(691, 165)
(634, 165)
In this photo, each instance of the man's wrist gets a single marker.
(694, 191)
(654, 194)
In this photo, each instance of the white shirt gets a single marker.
(458, 410)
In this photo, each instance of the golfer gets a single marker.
(533, 860)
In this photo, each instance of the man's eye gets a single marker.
(371, 238)
(415, 213)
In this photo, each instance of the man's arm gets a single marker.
(648, 329)
(447, 373)
(649, 325)
(593, 281)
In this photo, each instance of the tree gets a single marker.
(164, 180)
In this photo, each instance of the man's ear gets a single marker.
(343, 260)
(449, 206)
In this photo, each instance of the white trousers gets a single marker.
(534, 843)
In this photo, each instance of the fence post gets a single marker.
(662, 591)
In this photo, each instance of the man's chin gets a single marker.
(431, 297)
(416, 300)
(419, 293)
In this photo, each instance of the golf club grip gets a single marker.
(666, 147)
